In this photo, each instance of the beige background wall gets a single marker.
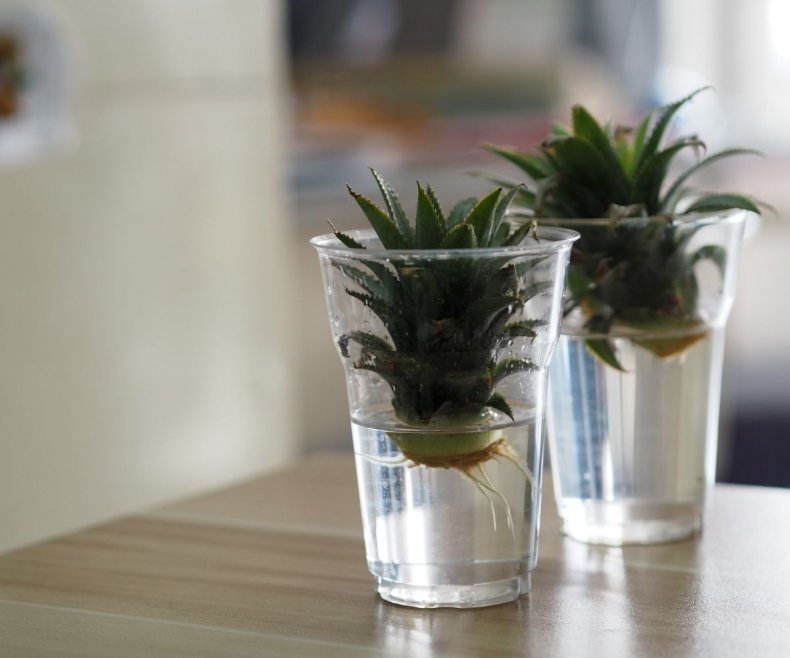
(144, 302)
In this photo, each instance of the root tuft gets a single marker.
(461, 462)
(470, 465)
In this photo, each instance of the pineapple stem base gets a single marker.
(672, 345)
(463, 451)
(462, 461)
(449, 447)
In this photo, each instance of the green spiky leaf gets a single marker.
(531, 165)
(460, 211)
(394, 208)
(712, 202)
(382, 223)
(369, 283)
(604, 350)
(524, 329)
(347, 239)
(481, 217)
(365, 339)
(430, 229)
(497, 401)
(663, 118)
(461, 236)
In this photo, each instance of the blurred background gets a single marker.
(163, 164)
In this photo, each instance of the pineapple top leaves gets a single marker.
(594, 170)
(625, 274)
(471, 223)
(446, 321)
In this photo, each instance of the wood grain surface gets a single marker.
(276, 567)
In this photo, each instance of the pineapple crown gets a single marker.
(593, 170)
(445, 323)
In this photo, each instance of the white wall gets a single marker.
(144, 302)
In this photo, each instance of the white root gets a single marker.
(482, 489)
(506, 452)
(490, 486)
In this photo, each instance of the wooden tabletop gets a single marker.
(276, 567)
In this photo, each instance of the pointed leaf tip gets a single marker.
(394, 208)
